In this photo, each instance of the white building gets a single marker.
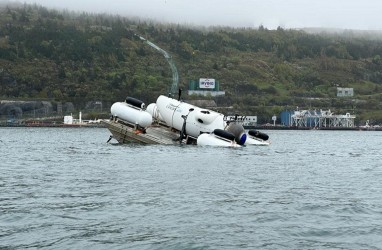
(249, 120)
(343, 92)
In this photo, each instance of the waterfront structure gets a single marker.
(317, 119)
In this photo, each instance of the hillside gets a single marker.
(80, 57)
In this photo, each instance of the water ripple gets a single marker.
(68, 189)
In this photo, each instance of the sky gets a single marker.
(337, 14)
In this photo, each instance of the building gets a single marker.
(316, 119)
(205, 87)
(246, 121)
(250, 120)
(344, 92)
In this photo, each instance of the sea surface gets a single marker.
(66, 188)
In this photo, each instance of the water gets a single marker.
(67, 189)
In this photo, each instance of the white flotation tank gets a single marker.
(219, 137)
(257, 138)
(131, 114)
(252, 141)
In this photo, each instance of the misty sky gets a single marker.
(345, 14)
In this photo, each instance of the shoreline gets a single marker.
(52, 125)
(314, 128)
(58, 125)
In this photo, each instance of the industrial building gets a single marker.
(316, 119)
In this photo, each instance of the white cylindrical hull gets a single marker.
(198, 121)
(131, 114)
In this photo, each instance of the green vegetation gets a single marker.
(79, 57)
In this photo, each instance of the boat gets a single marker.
(169, 122)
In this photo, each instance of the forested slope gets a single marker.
(79, 57)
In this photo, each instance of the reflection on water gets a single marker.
(67, 188)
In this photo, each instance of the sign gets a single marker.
(205, 83)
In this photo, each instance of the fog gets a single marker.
(342, 14)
